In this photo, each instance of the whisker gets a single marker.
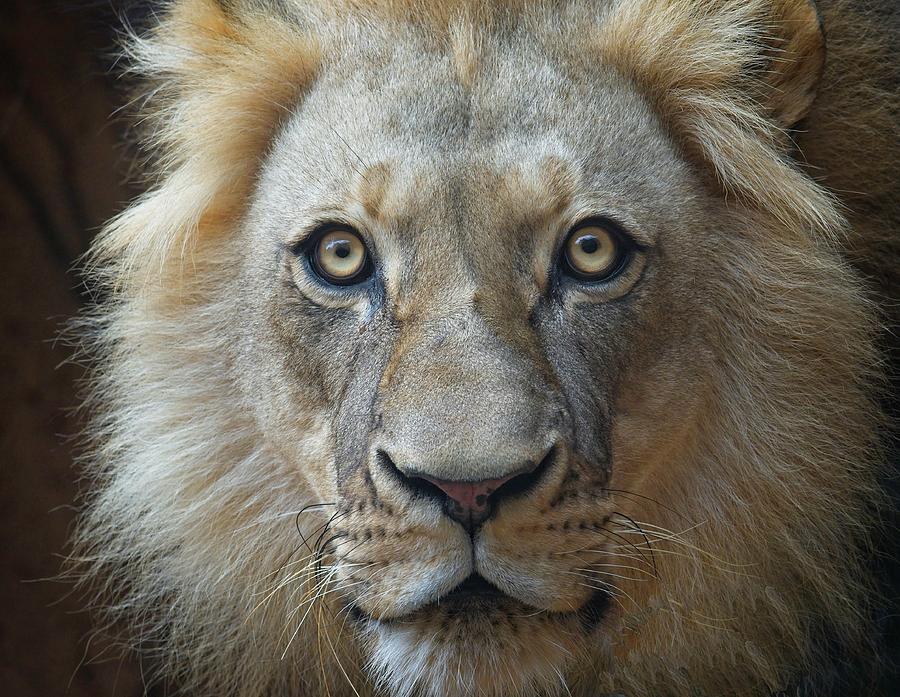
(630, 520)
(657, 530)
(606, 532)
(279, 516)
(269, 595)
(606, 552)
(341, 665)
(663, 534)
(613, 592)
(633, 494)
(323, 528)
(623, 566)
(320, 593)
(311, 602)
(592, 574)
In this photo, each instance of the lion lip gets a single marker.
(474, 587)
(477, 594)
(474, 592)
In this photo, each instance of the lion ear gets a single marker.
(730, 77)
(796, 60)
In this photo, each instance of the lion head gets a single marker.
(493, 349)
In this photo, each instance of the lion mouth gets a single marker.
(473, 595)
(474, 590)
(477, 597)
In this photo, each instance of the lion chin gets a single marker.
(476, 641)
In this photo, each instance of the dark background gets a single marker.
(62, 173)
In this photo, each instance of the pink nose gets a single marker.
(469, 499)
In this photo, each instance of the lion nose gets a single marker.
(471, 503)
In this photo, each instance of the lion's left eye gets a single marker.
(594, 252)
(340, 257)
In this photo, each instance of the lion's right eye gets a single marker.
(339, 257)
(594, 252)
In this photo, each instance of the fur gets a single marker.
(760, 487)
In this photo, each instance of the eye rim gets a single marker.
(310, 249)
(626, 248)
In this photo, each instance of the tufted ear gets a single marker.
(795, 60)
(729, 77)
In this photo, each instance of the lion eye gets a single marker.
(340, 258)
(593, 253)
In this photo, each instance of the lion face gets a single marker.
(484, 349)
(514, 333)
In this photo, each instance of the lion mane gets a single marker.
(768, 587)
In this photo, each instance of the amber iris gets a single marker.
(340, 257)
(593, 253)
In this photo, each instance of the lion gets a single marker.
(499, 348)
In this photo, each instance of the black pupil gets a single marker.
(589, 244)
(342, 249)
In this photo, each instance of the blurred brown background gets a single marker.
(62, 173)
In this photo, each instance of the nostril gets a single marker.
(525, 481)
(415, 483)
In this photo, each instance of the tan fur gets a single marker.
(750, 446)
